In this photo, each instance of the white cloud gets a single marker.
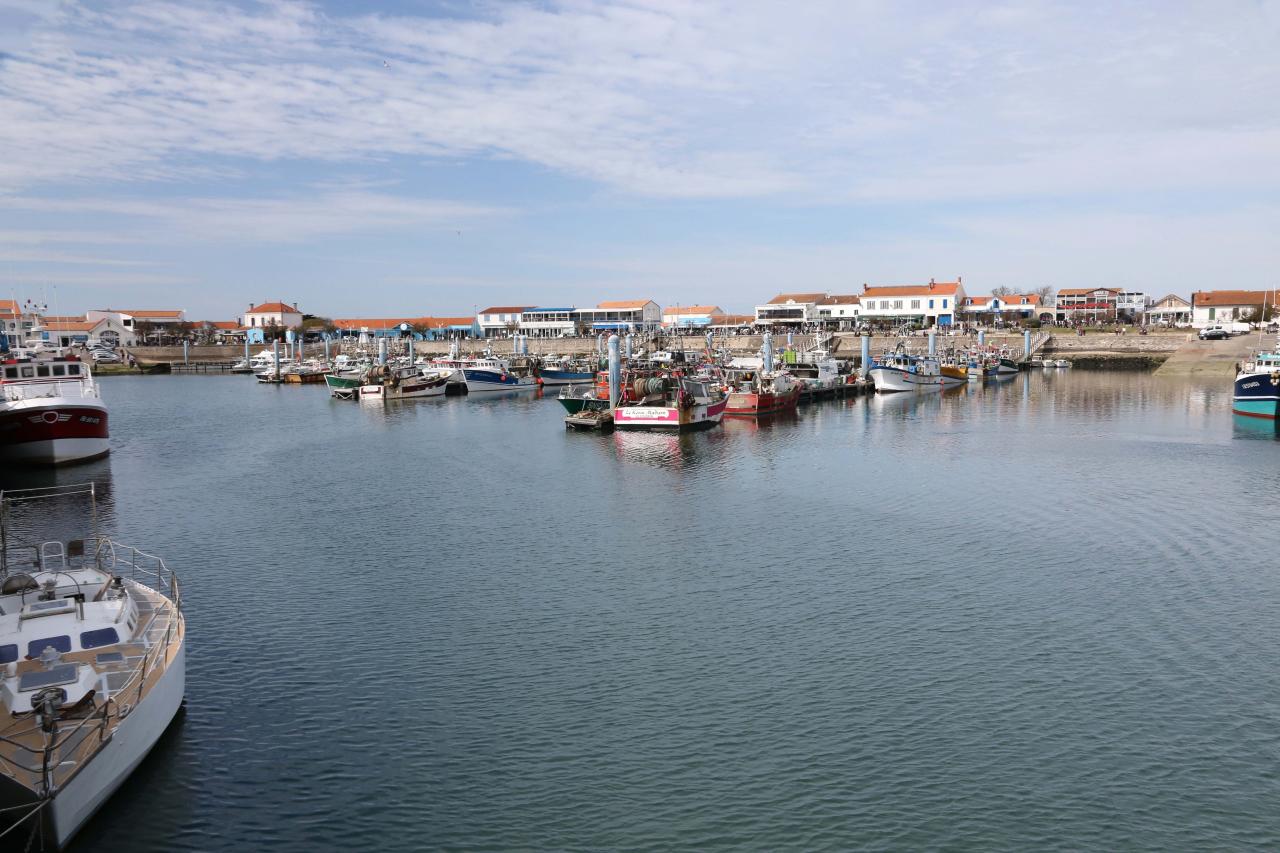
(261, 220)
(719, 98)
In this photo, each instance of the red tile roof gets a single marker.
(1085, 291)
(356, 325)
(841, 300)
(682, 310)
(155, 315)
(274, 308)
(1231, 297)
(784, 298)
(9, 306)
(738, 320)
(229, 325)
(70, 326)
(933, 288)
(624, 304)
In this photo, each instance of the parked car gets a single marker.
(1214, 333)
(100, 357)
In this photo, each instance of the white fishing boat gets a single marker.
(51, 412)
(400, 382)
(901, 371)
(488, 373)
(92, 670)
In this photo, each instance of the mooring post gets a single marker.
(615, 372)
(1026, 344)
(933, 342)
(866, 356)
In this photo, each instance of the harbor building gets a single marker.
(268, 314)
(789, 310)
(1006, 308)
(1132, 305)
(1215, 306)
(419, 328)
(682, 316)
(549, 322)
(18, 320)
(1087, 304)
(628, 315)
(501, 320)
(932, 304)
(144, 323)
(1172, 310)
(76, 331)
(840, 313)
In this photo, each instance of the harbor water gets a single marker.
(1035, 616)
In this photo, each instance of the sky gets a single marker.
(409, 158)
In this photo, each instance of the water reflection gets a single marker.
(1261, 429)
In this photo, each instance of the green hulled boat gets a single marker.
(574, 405)
(344, 385)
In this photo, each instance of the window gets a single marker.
(73, 370)
(9, 653)
(944, 303)
(897, 303)
(11, 373)
(915, 303)
(42, 370)
(35, 647)
(100, 637)
(28, 372)
(59, 370)
(930, 303)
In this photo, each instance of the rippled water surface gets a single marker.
(1042, 616)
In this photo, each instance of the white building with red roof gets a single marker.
(501, 319)
(280, 314)
(1006, 308)
(932, 304)
(620, 315)
(788, 310)
(692, 315)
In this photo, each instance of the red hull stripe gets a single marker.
(48, 424)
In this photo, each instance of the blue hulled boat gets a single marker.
(1257, 387)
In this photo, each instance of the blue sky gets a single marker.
(372, 159)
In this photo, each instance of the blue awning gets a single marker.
(693, 321)
(611, 325)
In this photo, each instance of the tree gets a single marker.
(143, 330)
(1002, 291)
(1045, 293)
(183, 330)
(272, 331)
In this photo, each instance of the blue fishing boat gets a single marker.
(1257, 386)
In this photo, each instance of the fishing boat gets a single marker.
(671, 403)
(92, 669)
(901, 371)
(400, 382)
(560, 372)
(1256, 393)
(490, 373)
(756, 392)
(816, 372)
(980, 369)
(576, 399)
(51, 412)
(307, 372)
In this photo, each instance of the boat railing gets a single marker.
(128, 562)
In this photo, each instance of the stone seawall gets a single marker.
(1090, 350)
